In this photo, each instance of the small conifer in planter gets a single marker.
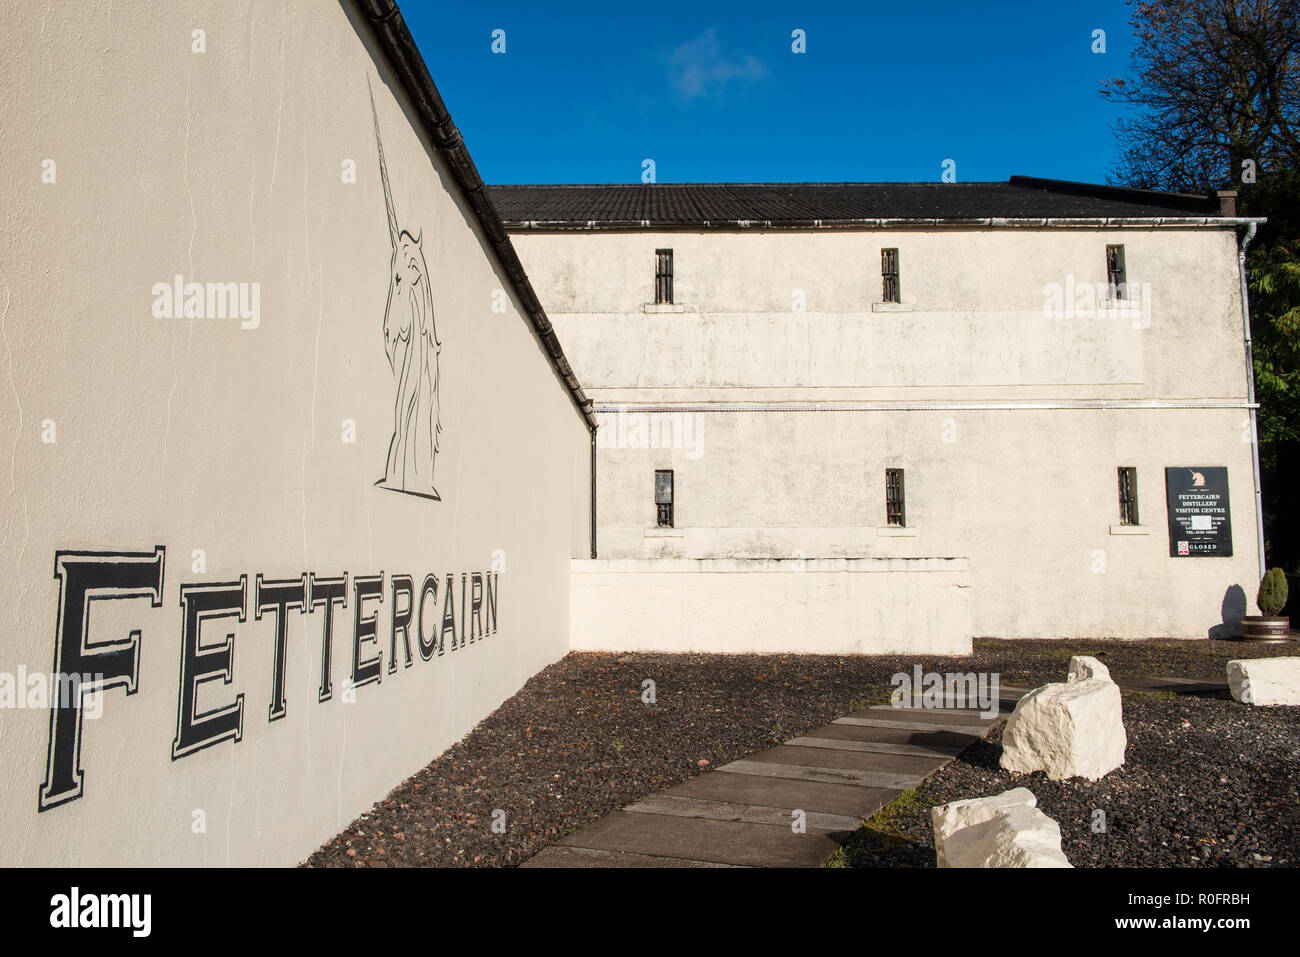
(1271, 625)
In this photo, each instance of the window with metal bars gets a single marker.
(663, 276)
(894, 510)
(1116, 275)
(1128, 496)
(664, 497)
(889, 275)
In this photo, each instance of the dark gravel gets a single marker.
(577, 742)
(1206, 782)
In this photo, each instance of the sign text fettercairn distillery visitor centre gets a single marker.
(1200, 520)
(424, 615)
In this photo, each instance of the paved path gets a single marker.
(740, 814)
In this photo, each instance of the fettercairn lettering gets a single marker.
(441, 612)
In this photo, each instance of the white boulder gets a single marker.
(1075, 729)
(1083, 667)
(1265, 681)
(955, 815)
(1006, 830)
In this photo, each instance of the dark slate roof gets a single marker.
(667, 205)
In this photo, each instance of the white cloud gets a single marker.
(698, 67)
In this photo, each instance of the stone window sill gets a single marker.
(666, 308)
(1130, 530)
(891, 307)
(657, 532)
(896, 531)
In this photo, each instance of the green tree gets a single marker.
(1214, 102)
(1273, 274)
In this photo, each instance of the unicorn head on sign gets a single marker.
(411, 343)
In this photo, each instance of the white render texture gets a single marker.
(826, 606)
(1265, 681)
(769, 318)
(1072, 729)
(1006, 830)
(228, 446)
(1044, 563)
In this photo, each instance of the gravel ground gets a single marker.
(577, 741)
(1206, 782)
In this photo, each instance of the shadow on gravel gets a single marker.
(869, 848)
(982, 754)
(1212, 694)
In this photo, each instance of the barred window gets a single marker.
(1116, 275)
(1128, 498)
(894, 511)
(889, 275)
(664, 497)
(663, 276)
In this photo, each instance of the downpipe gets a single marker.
(1245, 242)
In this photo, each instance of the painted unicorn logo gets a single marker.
(411, 343)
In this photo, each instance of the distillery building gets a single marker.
(867, 417)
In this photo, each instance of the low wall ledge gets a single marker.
(614, 566)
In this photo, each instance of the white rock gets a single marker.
(1083, 667)
(1265, 681)
(1016, 836)
(1067, 730)
(955, 815)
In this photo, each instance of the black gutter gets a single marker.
(1175, 221)
(410, 69)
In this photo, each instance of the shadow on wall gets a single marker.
(1234, 606)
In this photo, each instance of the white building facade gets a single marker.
(914, 412)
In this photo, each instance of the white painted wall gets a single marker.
(1028, 496)
(772, 606)
(976, 328)
(226, 166)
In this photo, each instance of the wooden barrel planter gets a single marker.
(1265, 628)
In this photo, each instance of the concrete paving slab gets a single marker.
(730, 811)
(699, 839)
(924, 716)
(557, 855)
(917, 766)
(915, 726)
(797, 772)
(878, 747)
(847, 799)
(1003, 704)
(896, 735)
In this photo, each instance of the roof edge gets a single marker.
(1159, 207)
(987, 222)
(1195, 202)
(412, 72)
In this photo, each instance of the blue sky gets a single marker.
(712, 92)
